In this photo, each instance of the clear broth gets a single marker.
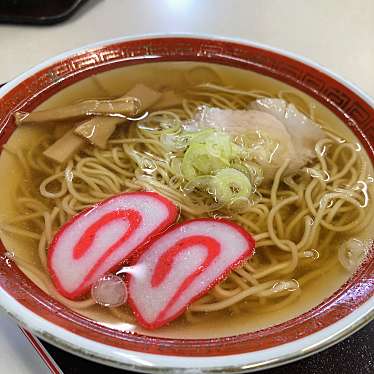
(173, 75)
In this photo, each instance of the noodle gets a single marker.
(290, 219)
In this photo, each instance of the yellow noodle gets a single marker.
(306, 211)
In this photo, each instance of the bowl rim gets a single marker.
(239, 362)
(153, 363)
(106, 42)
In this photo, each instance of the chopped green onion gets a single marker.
(229, 185)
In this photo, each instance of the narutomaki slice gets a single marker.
(97, 240)
(182, 265)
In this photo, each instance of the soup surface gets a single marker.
(311, 223)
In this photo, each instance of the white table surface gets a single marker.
(17, 355)
(338, 34)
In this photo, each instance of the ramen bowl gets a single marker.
(345, 308)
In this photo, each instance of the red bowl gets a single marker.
(336, 317)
